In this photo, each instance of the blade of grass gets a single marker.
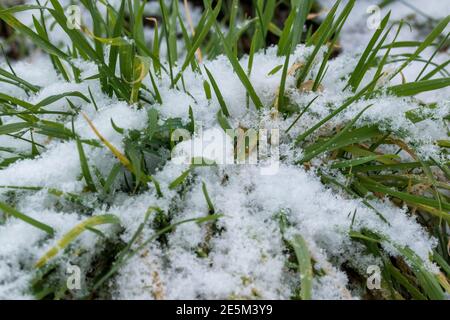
(413, 88)
(359, 161)
(364, 62)
(74, 233)
(238, 69)
(13, 212)
(425, 44)
(345, 105)
(219, 96)
(120, 262)
(202, 31)
(304, 266)
(332, 141)
(85, 167)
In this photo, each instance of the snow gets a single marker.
(247, 258)
(356, 34)
(58, 168)
(251, 246)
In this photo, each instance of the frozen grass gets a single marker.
(87, 179)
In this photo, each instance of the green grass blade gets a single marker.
(425, 44)
(363, 65)
(120, 262)
(208, 199)
(219, 96)
(413, 88)
(359, 161)
(178, 181)
(346, 104)
(407, 197)
(304, 266)
(54, 98)
(332, 142)
(238, 69)
(13, 127)
(13, 212)
(201, 32)
(85, 167)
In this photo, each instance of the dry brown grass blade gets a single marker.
(191, 26)
(308, 86)
(119, 155)
(312, 16)
(157, 284)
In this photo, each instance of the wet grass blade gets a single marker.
(408, 198)
(344, 106)
(364, 62)
(413, 88)
(439, 69)
(360, 161)
(120, 262)
(54, 98)
(85, 167)
(219, 96)
(13, 212)
(208, 199)
(238, 69)
(288, 41)
(167, 30)
(304, 266)
(324, 33)
(425, 44)
(13, 127)
(428, 281)
(119, 155)
(202, 31)
(178, 181)
(293, 27)
(332, 142)
(39, 41)
(24, 84)
(119, 23)
(301, 114)
(74, 233)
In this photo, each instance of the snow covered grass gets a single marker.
(126, 151)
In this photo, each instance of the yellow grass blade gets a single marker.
(120, 156)
(70, 236)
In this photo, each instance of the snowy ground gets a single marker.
(247, 259)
